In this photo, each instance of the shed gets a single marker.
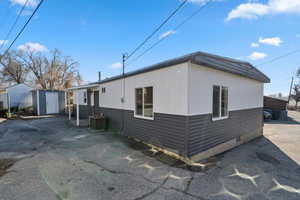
(48, 102)
(19, 96)
(196, 106)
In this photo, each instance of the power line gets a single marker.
(157, 29)
(25, 25)
(176, 29)
(279, 57)
(14, 24)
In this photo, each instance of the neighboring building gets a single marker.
(278, 107)
(275, 103)
(197, 105)
(48, 102)
(19, 96)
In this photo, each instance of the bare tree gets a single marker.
(53, 72)
(12, 70)
(296, 95)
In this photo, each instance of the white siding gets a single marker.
(80, 97)
(243, 93)
(169, 90)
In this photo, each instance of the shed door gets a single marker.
(52, 103)
(96, 98)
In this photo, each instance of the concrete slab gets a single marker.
(56, 160)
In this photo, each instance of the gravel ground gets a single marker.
(57, 161)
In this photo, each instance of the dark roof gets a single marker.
(275, 99)
(230, 65)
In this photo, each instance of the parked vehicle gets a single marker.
(267, 116)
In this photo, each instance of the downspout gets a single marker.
(77, 108)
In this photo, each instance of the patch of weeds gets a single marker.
(110, 189)
(5, 164)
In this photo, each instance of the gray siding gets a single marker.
(167, 131)
(61, 102)
(42, 101)
(34, 106)
(205, 133)
(43, 110)
(185, 135)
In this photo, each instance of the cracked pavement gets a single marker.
(56, 161)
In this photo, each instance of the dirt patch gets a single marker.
(5, 164)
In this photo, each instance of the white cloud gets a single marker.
(257, 56)
(30, 3)
(2, 42)
(274, 41)
(254, 45)
(167, 34)
(255, 10)
(32, 47)
(116, 65)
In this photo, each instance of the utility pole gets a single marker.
(291, 87)
(124, 57)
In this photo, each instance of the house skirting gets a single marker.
(195, 137)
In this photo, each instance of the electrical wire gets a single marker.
(14, 24)
(25, 25)
(157, 29)
(279, 57)
(175, 29)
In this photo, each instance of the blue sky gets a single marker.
(95, 33)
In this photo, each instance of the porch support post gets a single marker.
(38, 101)
(69, 104)
(8, 103)
(77, 108)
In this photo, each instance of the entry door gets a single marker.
(52, 103)
(96, 98)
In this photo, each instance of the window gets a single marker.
(84, 97)
(220, 102)
(144, 102)
(103, 90)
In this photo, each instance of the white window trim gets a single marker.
(220, 104)
(142, 116)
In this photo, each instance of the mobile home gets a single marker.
(196, 105)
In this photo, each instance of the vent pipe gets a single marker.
(99, 76)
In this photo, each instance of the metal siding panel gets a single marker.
(61, 102)
(166, 131)
(34, 102)
(206, 134)
(43, 105)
